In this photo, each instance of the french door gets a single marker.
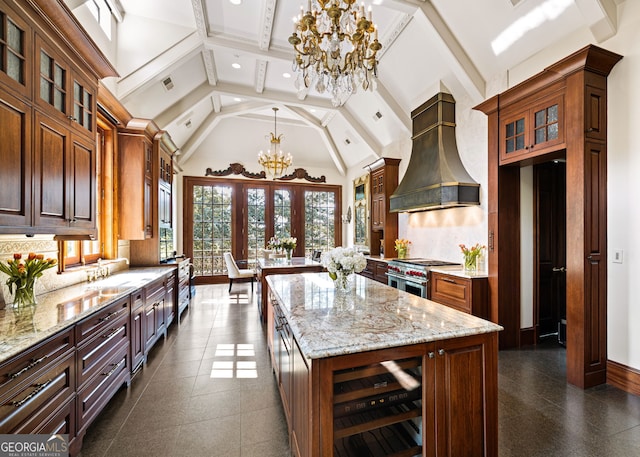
(240, 216)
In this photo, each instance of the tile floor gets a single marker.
(188, 402)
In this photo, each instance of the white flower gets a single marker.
(343, 261)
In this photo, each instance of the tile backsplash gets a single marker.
(50, 280)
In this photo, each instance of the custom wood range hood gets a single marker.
(435, 177)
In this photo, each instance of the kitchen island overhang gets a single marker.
(324, 343)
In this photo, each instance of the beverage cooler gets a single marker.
(377, 409)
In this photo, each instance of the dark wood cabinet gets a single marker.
(135, 183)
(40, 384)
(103, 362)
(469, 295)
(536, 130)
(465, 397)
(137, 318)
(146, 163)
(184, 287)
(376, 270)
(578, 84)
(48, 86)
(64, 179)
(384, 225)
(300, 403)
(154, 321)
(15, 172)
(170, 297)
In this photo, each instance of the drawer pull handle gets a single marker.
(452, 281)
(115, 367)
(38, 388)
(431, 354)
(440, 351)
(109, 316)
(32, 364)
(114, 331)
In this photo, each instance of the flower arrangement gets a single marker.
(23, 274)
(402, 246)
(341, 262)
(289, 243)
(273, 243)
(471, 255)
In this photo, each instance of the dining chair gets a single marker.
(233, 272)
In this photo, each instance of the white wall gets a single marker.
(526, 247)
(623, 224)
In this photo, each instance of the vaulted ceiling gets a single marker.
(176, 64)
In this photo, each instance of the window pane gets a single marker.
(256, 225)
(212, 205)
(282, 213)
(320, 221)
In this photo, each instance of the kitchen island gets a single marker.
(280, 265)
(378, 371)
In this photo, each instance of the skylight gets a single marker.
(102, 13)
(548, 11)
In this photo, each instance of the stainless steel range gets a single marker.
(412, 275)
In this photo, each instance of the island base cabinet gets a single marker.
(433, 399)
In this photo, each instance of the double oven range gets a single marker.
(412, 275)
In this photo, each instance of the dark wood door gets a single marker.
(550, 250)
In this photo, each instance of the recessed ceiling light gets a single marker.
(236, 65)
(313, 110)
(286, 75)
(235, 2)
(237, 99)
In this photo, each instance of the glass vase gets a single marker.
(341, 282)
(402, 253)
(289, 252)
(24, 294)
(470, 263)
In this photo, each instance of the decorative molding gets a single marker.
(623, 377)
(210, 66)
(261, 75)
(236, 169)
(199, 16)
(239, 169)
(301, 173)
(269, 12)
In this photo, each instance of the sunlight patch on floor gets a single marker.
(239, 369)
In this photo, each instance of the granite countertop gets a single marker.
(457, 270)
(283, 262)
(62, 308)
(370, 316)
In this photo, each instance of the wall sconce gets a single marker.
(346, 218)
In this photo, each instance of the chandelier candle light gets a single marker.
(335, 45)
(275, 162)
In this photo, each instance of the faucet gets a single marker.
(101, 271)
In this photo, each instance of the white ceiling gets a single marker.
(426, 44)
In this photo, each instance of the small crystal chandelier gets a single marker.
(335, 47)
(275, 162)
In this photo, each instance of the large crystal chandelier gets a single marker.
(275, 162)
(335, 47)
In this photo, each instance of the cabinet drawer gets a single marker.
(451, 291)
(155, 290)
(27, 408)
(98, 390)
(96, 323)
(93, 355)
(137, 300)
(381, 272)
(30, 363)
